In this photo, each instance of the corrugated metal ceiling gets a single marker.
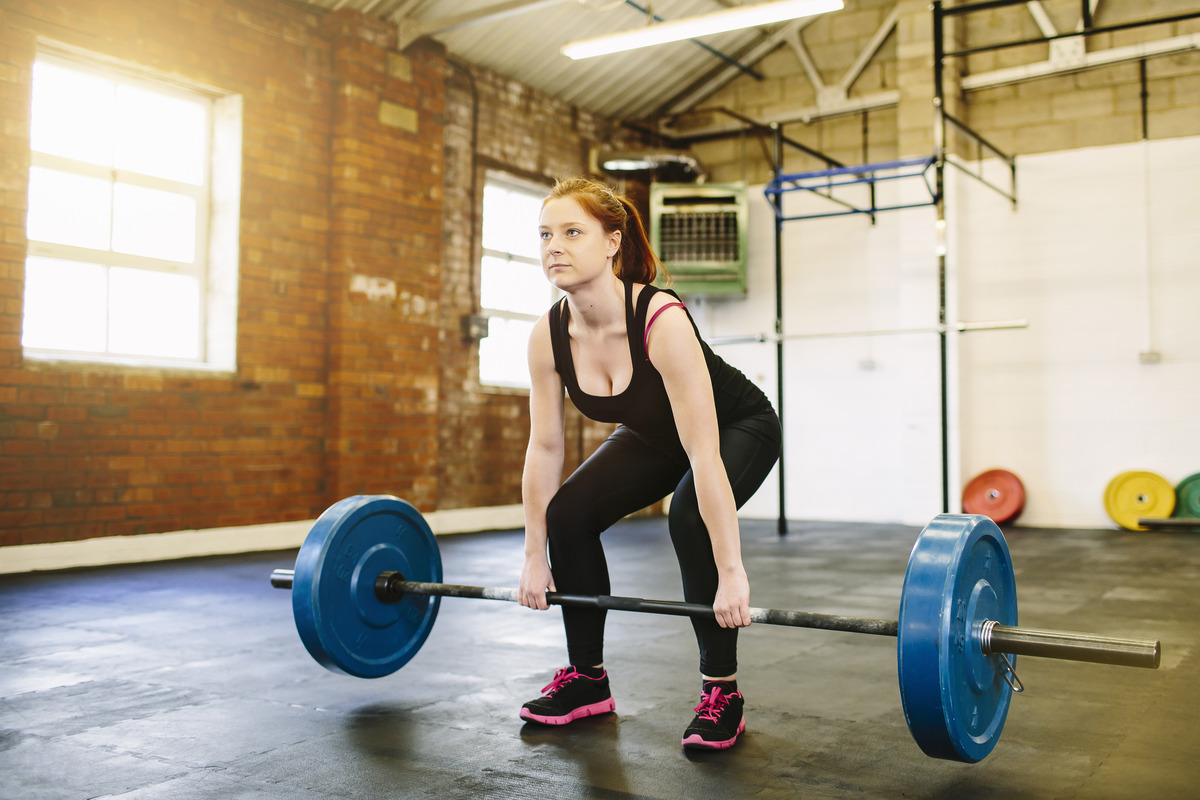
(520, 39)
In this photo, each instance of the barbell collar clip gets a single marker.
(1009, 673)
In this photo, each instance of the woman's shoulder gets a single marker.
(546, 321)
(657, 299)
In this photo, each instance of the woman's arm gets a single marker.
(676, 354)
(543, 464)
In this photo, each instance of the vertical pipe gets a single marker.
(777, 201)
(1145, 100)
(1149, 355)
(866, 160)
(939, 142)
(866, 143)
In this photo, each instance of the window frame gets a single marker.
(217, 197)
(508, 182)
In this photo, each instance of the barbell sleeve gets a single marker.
(996, 638)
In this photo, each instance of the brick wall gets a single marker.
(89, 451)
(358, 168)
(385, 204)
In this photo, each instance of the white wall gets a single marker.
(1101, 257)
(861, 413)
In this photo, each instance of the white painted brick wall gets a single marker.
(1102, 257)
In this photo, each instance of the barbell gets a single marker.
(366, 590)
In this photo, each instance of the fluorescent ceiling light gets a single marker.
(730, 19)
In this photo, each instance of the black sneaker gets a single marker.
(718, 721)
(570, 696)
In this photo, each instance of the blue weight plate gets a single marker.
(955, 698)
(344, 626)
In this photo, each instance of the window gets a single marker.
(513, 290)
(129, 223)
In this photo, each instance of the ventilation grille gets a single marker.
(699, 232)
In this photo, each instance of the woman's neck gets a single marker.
(599, 305)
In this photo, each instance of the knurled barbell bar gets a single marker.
(366, 590)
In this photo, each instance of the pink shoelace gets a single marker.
(561, 678)
(712, 704)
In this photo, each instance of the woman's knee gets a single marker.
(683, 518)
(565, 515)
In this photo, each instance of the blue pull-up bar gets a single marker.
(822, 181)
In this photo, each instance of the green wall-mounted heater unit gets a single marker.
(699, 232)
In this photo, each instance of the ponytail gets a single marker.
(637, 260)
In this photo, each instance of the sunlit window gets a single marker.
(513, 291)
(120, 219)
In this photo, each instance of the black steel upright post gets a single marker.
(777, 201)
(939, 142)
(1145, 97)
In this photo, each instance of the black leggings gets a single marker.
(624, 475)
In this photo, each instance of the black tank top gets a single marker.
(643, 406)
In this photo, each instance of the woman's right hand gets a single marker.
(536, 580)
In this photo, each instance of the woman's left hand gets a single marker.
(732, 603)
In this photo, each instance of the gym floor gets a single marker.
(187, 680)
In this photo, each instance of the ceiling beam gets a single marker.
(700, 92)
(1096, 58)
(853, 105)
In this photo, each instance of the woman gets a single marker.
(628, 352)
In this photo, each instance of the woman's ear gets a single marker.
(614, 243)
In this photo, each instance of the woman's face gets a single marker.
(575, 247)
